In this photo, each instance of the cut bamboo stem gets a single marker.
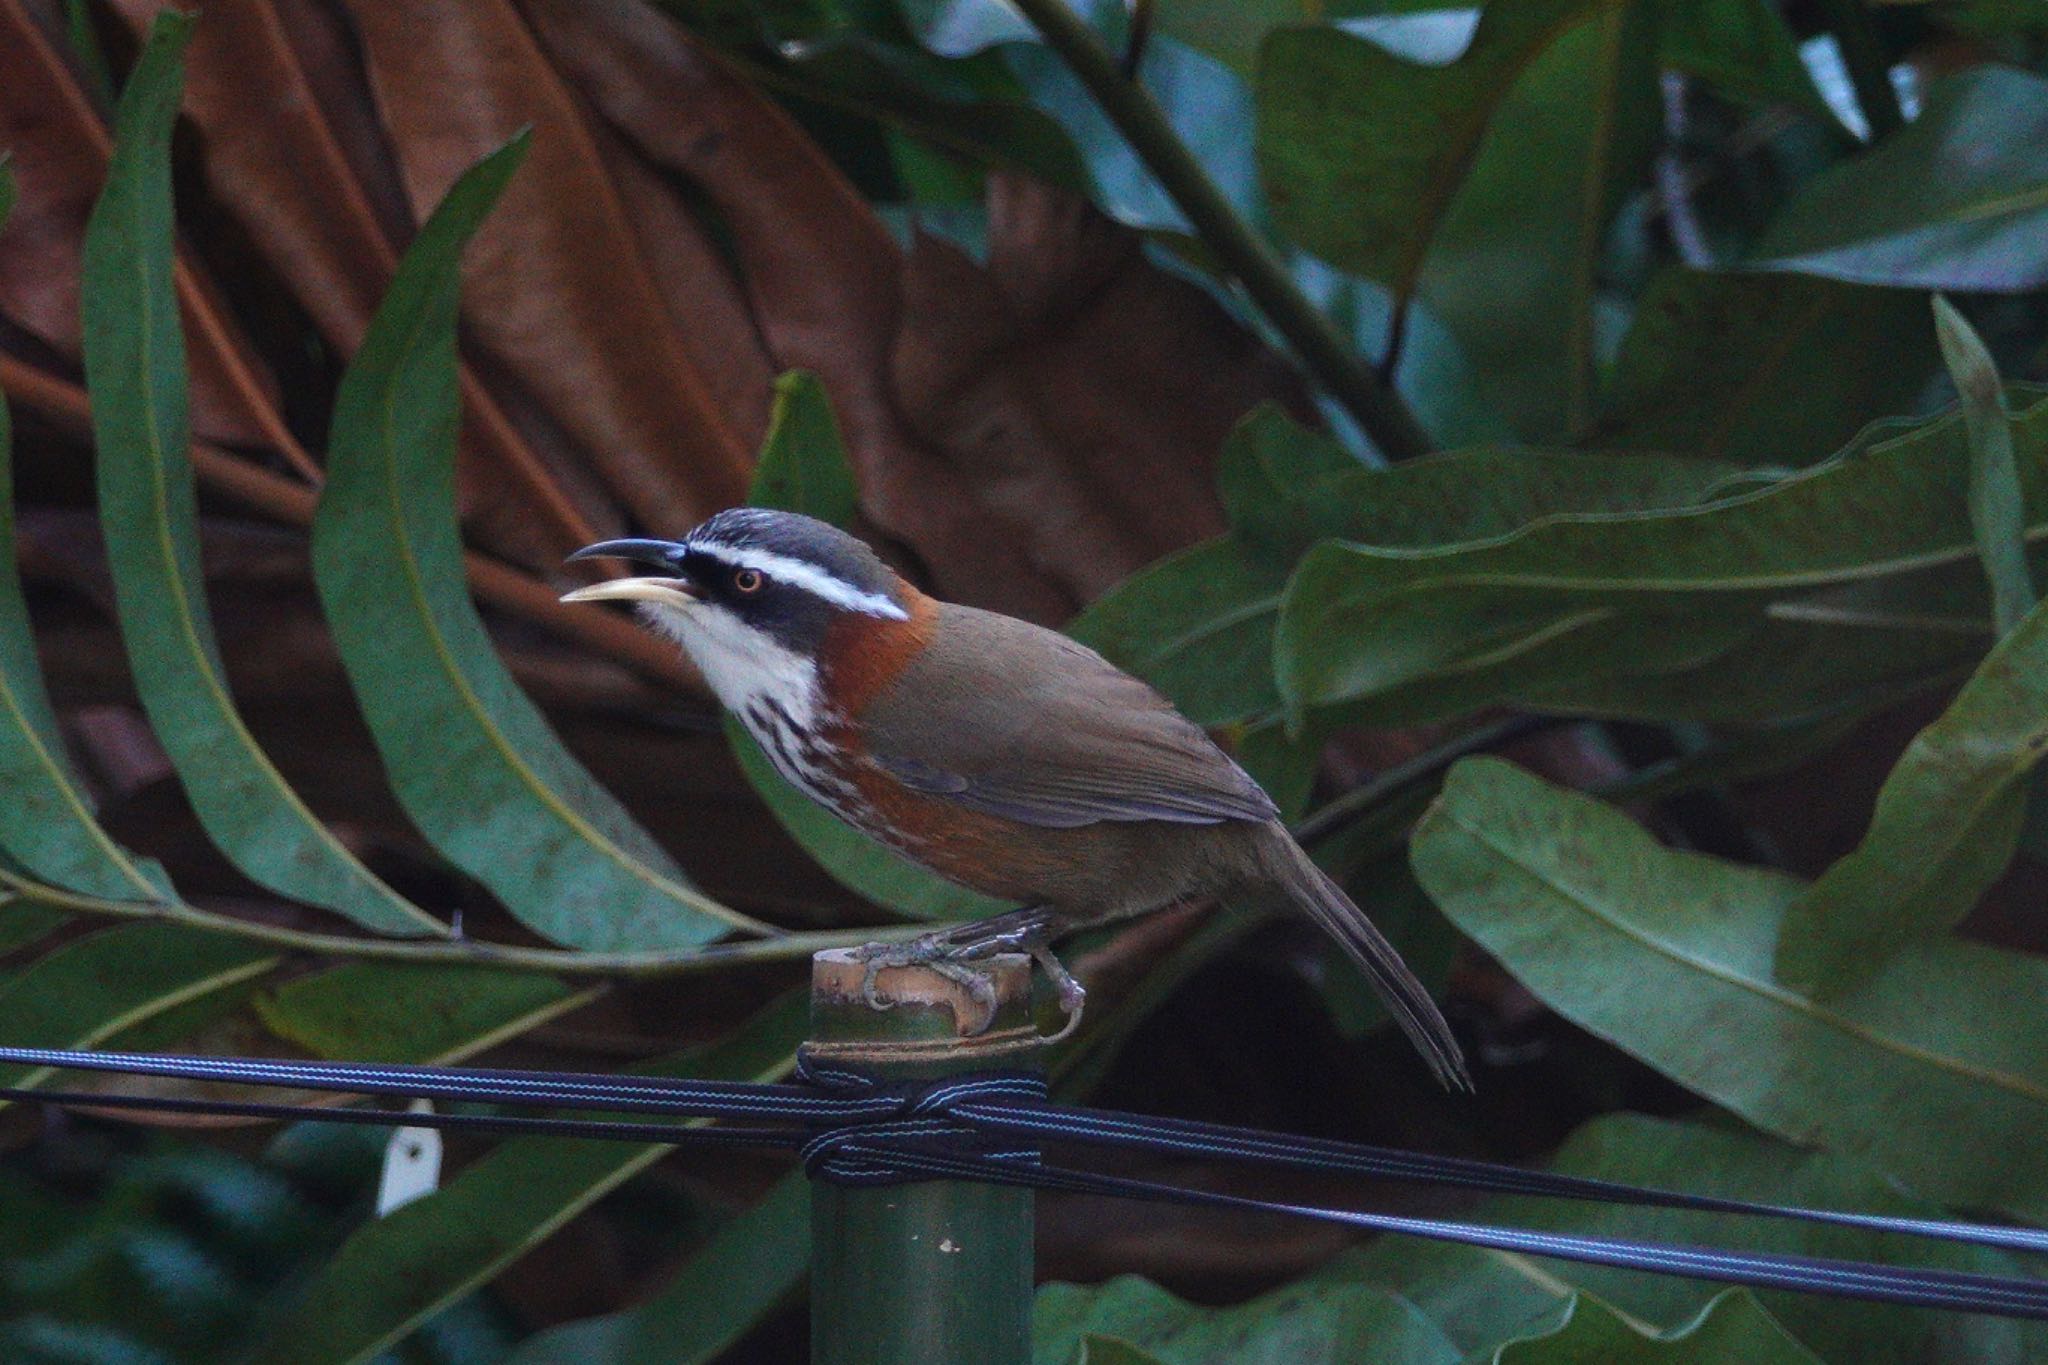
(938, 1271)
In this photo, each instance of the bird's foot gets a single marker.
(950, 951)
(932, 952)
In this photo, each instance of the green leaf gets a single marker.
(471, 758)
(1485, 186)
(1745, 49)
(803, 465)
(1230, 30)
(22, 922)
(401, 1012)
(1482, 1297)
(93, 988)
(1362, 621)
(1199, 624)
(1946, 825)
(1588, 1332)
(1762, 369)
(738, 1277)
(1301, 1324)
(396, 1272)
(46, 822)
(1926, 1069)
(1097, 1350)
(135, 369)
(1958, 199)
(1998, 511)
(862, 865)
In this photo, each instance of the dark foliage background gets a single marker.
(1580, 452)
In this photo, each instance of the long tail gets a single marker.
(1405, 997)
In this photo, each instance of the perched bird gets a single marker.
(1003, 756)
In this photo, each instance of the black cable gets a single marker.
(853, 1128)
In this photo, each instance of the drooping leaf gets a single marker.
(46, 821)
(727, 1286)
(1926, 1069)
(1998, 512)
(1482, 1297)
(1485, 186)
(1586, 1331)
(803, 462)
(857, 862)
(1199, 624)
(135, 369)
(107, 983)
(1762, 369)
(1958, 199)
(398, 1271)
(1362, 622)
(470, 756)
(1946, 824)
(399, 1012)
(1311, 1323)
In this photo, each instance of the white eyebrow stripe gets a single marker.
(803, 574)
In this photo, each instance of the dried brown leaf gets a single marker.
(497, 584)
(272, 159)
(823, 273)
(555, 287)
(61, 149)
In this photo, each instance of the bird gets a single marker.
(1004, 756)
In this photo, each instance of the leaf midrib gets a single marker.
(1798, 1004)
(416, 586)
(212, 684)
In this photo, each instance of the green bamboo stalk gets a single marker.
(939, 1271)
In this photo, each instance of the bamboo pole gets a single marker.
(935, 1272)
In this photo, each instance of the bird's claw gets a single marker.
(947, 954)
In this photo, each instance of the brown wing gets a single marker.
(1021, 722)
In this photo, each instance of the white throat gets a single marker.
(746, 667)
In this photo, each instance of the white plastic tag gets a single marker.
(412, 1163)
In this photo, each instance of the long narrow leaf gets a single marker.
(1481, 1296)
(1998, 511)
(397, 1272)
(406, 1012)
(1957, 199)
(108, 983)
(46, 820)
(748, 1267)
(135, 368)
(1946, 824)
(1928, 1069)
(470, 756)
(1199, 625)
(1362, 621)
(1733, 1327)
(1318, 1320)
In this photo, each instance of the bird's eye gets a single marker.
(747, 581)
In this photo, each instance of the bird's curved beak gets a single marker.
(673, 588)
